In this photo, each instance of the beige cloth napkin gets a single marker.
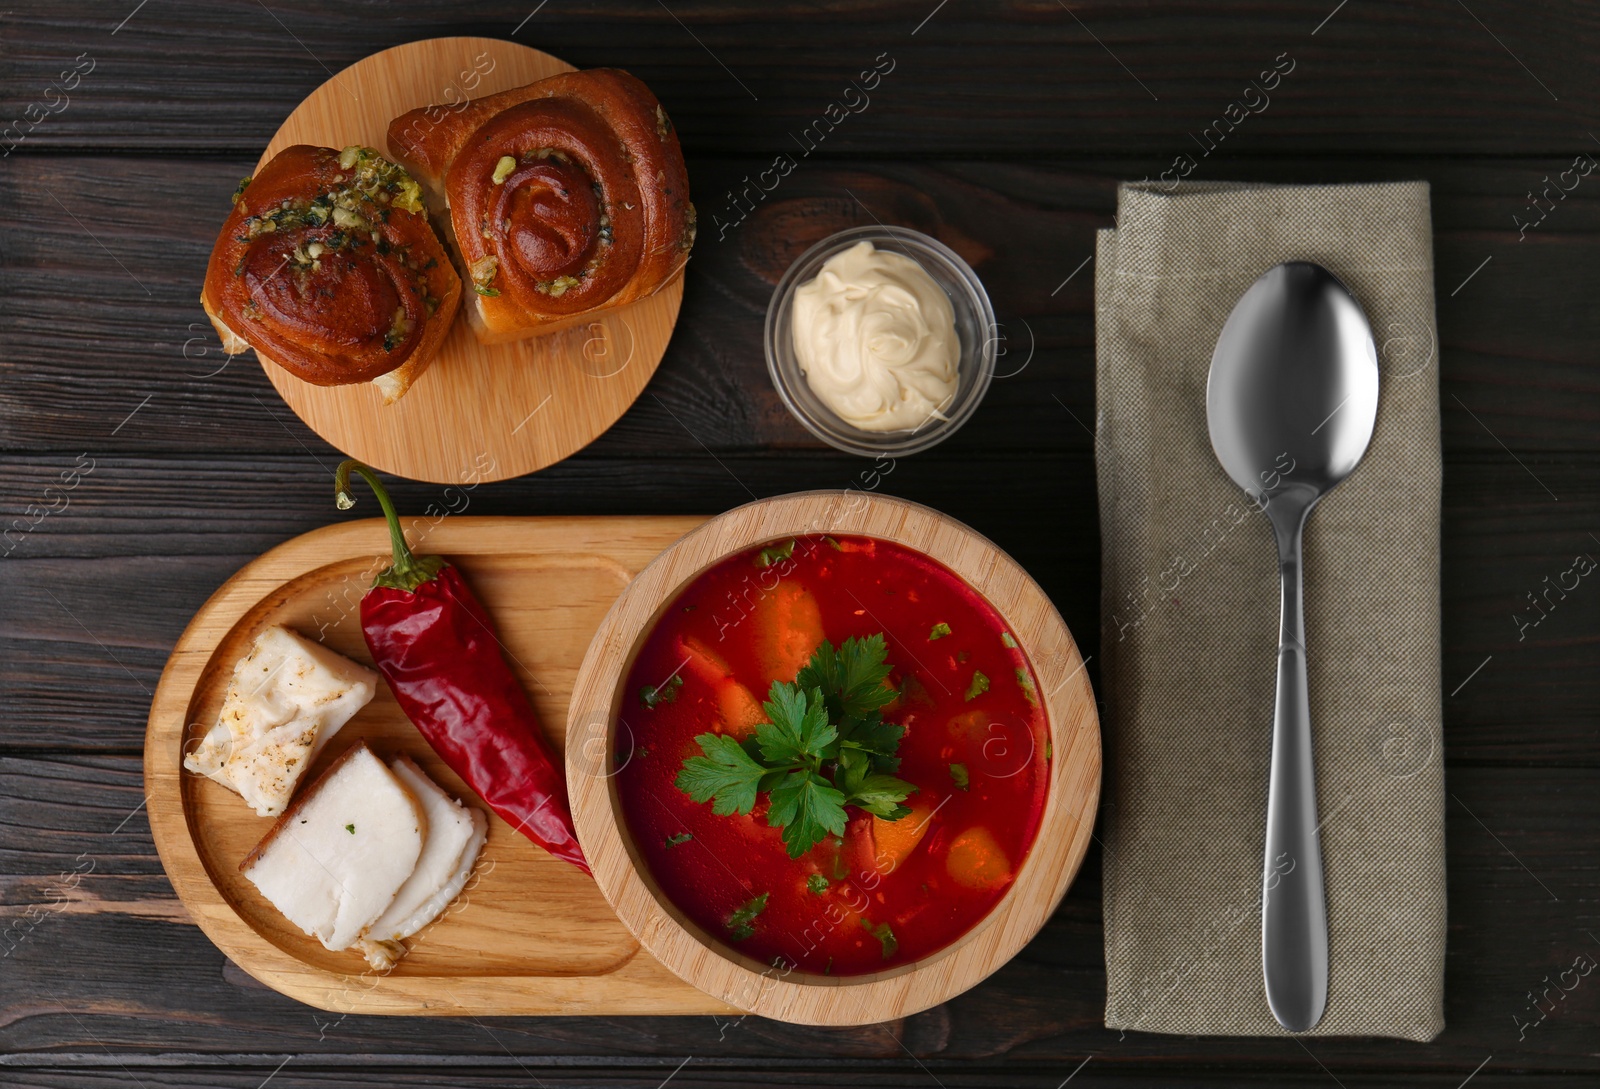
(1190, 617)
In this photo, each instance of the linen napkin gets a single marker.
(1190, 619)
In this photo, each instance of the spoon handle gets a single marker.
(1294, 914)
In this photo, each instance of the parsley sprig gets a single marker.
(742, 923)
(824, 746)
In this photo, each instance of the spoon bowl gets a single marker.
(1291, 401)
(1295, 373)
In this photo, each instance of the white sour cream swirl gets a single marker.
(876, 338)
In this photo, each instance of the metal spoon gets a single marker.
(1290, 401)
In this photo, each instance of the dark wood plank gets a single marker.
(1003, 129)
(140, 369)
(1519, 883)
(92, 599)
(1018, 78)
(371, 1070)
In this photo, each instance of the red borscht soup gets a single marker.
(832, 755)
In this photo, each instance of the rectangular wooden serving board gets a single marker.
(529, 935)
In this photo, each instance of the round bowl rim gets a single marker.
(874, 443)
(1059, 845)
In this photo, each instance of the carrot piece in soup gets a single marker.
(737, 707)
(788, 628)
(976, 861)
(703, 662)
(740, 711)
(895, 840)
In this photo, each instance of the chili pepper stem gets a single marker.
(408, 571)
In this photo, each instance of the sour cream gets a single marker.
(876, 339)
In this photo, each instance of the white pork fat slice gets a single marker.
(288, 696)
(334, 862)
(456, 834)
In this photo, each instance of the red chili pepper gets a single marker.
(436, 646)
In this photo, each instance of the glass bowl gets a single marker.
(975, 327)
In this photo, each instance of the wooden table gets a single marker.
(1003, 129)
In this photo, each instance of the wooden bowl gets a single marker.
(1042, 880)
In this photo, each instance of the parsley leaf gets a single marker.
(851, 771)
(881, 796)
(650, 695)
(726, 775)
(1005, 637)
(679, 838)
(851, 678)
(797, 725)
(1026, 682)
(958, 776)
(940, 630)
(875, 736)
(777, 554)
(825, 745)
(979, 685)
(741, 924)
(817, 883)
(885, 936)
(807, 809)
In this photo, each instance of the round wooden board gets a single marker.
(1043, 879)
(487, 411)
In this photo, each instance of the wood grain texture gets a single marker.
(1514, 347)
(548, 582)
(490, 1075)
(181, 1002)
(1065, 827)
(1019, 78)
(480, 411)
(1005, 124)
